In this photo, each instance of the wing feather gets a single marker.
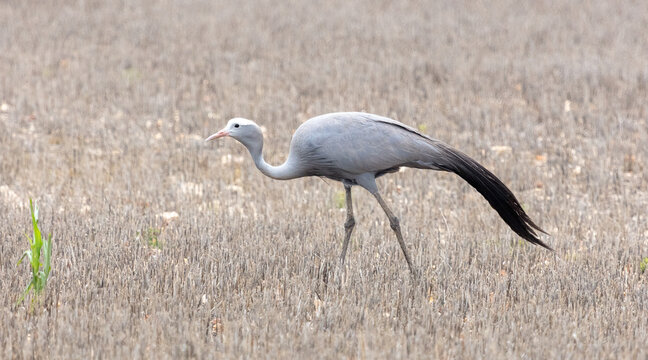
(357, 143)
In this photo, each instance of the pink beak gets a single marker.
(219, 134)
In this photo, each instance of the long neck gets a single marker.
(285, 171)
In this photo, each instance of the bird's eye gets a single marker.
(236, 125)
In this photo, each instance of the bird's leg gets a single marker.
(395, 225)
(349, 224)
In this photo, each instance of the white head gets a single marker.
(247, 132)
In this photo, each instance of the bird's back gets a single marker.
(344, 145)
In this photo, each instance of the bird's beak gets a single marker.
(219, 134)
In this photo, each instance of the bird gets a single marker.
(356, 148)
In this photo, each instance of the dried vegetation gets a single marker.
(165, 247)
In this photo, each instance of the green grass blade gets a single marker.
(37, 247)
(37, 240)
(48, 255)
(26, 253)
(22, 297)
(41, 281)
(29, 240)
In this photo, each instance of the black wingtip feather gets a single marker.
(495, 192)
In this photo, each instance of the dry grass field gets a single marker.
(104, 106)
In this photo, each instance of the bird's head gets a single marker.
(247, 132)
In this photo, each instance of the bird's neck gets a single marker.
(284, 171)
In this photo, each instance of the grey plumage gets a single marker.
(356, 148)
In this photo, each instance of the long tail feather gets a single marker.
(495, 192)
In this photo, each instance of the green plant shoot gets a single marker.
(37, 249)
(153, 237)
(643, 265)
(340, 199)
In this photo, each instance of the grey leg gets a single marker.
(395, 225)
(349, 224)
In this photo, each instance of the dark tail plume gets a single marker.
(495, 192)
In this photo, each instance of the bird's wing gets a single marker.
(358, 143)
(446, 158)
(385, 120)
(371, 143)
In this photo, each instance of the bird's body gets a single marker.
(356, 148)
(336, 146)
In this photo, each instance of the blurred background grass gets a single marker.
(104, 105)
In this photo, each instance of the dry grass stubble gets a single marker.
(104, 107)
